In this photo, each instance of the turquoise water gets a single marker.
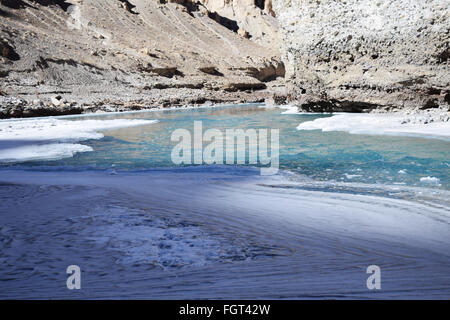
(323, 156)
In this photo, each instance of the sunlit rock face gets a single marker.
(255, 19)
(116, 55)
(355, 55)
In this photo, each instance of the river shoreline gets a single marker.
(56, 105)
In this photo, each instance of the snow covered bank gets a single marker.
(381, 124)
(50, 138)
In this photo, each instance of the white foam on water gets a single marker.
(378, 124)
(51, 138)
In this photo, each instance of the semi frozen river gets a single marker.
(101, 192)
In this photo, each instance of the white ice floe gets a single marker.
(379, 124)
(351, 176)
(51, 139)
(62, 130)
(289, 109)
(50, 151)
(431, 180)
(292, 109)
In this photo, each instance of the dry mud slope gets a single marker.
(60, 57)
(356, 55)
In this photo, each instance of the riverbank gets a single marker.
(103, 102)
(73, 57)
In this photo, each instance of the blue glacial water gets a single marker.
(322, 156)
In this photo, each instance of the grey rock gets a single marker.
(328, 54)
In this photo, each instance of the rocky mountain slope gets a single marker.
(73, 56)
(60, 57)
(255, 18)
(357, 55)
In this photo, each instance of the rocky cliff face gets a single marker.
(70, 56)
(255, 19)
(355, 55)
(73, 56)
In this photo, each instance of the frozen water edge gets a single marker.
(381, 124)
(51, 138)
(294, 243)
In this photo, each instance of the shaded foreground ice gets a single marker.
(216, 232)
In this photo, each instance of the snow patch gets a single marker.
(379, 124)
(352, 176)
(51, 151)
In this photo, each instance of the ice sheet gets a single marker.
(379, 124)
(51, 138)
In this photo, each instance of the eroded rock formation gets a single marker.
(356, 55)
(117, 55)
(254, 19)
(353, 55)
